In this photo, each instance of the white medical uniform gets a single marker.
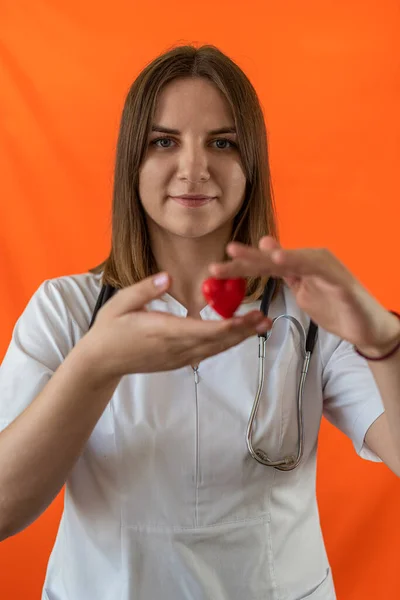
(165, 501)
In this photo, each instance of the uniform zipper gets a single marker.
(196, 382)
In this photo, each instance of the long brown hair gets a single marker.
(131, 258)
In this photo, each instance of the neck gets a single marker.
(187, 260)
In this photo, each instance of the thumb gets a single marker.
(136, 296)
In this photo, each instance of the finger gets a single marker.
(266, 258)
(232, 338)
(136, 296)
(308, 261)
(248, 261)
(267, 242)
(301, 261)
(251, 319)
(197, 331)
(292, 282)
(240, 267)
(239, 250)
(254, 321)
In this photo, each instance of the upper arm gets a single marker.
(42, 337)
(353, 403)
(351, 398)
(378, 439)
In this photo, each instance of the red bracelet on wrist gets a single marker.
(386, 355)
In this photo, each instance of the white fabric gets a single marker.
(165, 501)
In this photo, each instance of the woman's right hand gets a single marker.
(126, 338)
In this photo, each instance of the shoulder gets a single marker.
(67, 298)
(54, 320)
(81, 287)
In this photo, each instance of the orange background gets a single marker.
(328, 75)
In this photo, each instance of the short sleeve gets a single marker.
(352, 401)
(42, 338)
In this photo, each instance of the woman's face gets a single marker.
(191, 151)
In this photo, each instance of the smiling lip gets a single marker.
(193, 201)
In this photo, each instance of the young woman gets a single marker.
(144, 414)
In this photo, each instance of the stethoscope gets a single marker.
(307, 342)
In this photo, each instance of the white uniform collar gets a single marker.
(207, 312)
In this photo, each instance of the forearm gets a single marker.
(39, 449)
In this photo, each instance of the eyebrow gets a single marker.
(161, 129)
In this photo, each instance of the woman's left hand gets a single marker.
(323, 287)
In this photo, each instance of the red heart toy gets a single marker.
(224, 295)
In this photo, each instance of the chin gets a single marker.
(190, 228)
(190, 231)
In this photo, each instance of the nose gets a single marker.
(193, 164)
